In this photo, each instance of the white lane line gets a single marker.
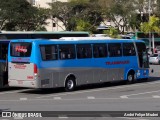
(78, 99)
(63, 117)
(57, 98)
(123, 97)
(100, 89)
(156, 96)
(142, 93)
(23, 99)
(90, 97)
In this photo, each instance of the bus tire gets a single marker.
(130, 77)
(70, 84)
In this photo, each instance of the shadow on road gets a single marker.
(87, 87)
(5, 89)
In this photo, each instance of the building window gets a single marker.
(33, 2)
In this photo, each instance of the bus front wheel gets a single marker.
(70, 84)
(130, 78)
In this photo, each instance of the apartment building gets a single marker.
(52, 24)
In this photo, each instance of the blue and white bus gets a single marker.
(4, 63)
(75, 61)
(6, 36)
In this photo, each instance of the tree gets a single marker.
(112, 32)
(69, 13)
(118, 11)
(153, 25)
(20, 15)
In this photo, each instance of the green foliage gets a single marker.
(112, 32)
(153, 25)
(70, 12)
(20, 15)
(82, 25)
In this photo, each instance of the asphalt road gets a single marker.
(112, 101)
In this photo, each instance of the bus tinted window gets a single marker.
(67, 51)
(99, 50)
(3, 51)
(84, 51)
(129, 49)
(21, 49)
(49, 52)
(141, 47)
(114, 49)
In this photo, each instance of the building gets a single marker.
(52, 26)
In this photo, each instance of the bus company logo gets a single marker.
(20, 66)
(118, 62)
(21, 49)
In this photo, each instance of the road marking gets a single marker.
(123, 97)
(57, 98)
(156, 96)
(100, 89)
(90, 97)
(63, 117)
(23, 98)
(78, 99)
(142, 93)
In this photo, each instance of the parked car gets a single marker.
(157, 49)
(154, 59)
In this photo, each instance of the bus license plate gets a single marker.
(20, 82)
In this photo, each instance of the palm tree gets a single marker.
(151, 26)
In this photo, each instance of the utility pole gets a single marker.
(149, 14)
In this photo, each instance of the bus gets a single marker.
(41, 34)
(70, 62)
(6, 36)
(3, 63)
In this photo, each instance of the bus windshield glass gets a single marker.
(21, 49)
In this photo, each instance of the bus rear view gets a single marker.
(20, 60)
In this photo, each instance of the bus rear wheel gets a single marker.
(70, 84)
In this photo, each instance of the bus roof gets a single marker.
(71, 41)
(86, 38)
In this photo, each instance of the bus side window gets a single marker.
(128, 49)
(115, 49)
(3, 51)
(84, 51)
(99, 50)
(67, 51)
(49, 52)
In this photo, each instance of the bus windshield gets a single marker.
(21, 49)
